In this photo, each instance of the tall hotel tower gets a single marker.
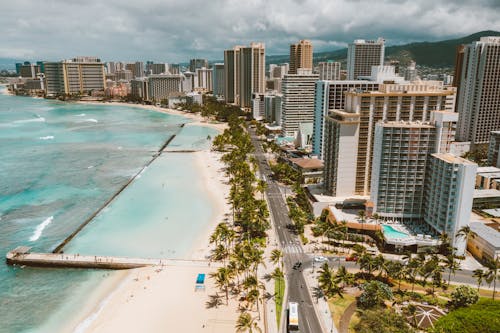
(301, 56)
(479, 92)
(362, 55)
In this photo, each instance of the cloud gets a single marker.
(174, 31)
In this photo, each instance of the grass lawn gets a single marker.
(338, 305)
(279, 289)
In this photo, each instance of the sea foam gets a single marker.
(91, 120)
(40, 227)
(48, 137)
(32, 120)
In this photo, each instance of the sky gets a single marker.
(175, 31)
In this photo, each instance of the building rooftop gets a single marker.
(489, 169)
(307, 163)
(490, 174)
(495, 212)
(450, 158)
(491, 193)
(490, 235)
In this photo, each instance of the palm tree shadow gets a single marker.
(214, 301)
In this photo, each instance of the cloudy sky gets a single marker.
(176, 30)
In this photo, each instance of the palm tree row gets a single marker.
(240, 245)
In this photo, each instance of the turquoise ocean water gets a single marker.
(59, 162)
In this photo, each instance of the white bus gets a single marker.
(293, 317)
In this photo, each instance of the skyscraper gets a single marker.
(194, 64)
(494, 149)
(301, 56)
(218, 79)
(244, 73)
(479, 92)
(298, 100)
(362, 55)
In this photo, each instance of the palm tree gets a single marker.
(367, 263)
(362, 217)
(492, 274)
(246, 323)
(222, 279)
(328, 281)
(466, 233)
(344, 277)
(276, 256)
(479, 274)
(452, 265)
(396, 270)
(412, 267)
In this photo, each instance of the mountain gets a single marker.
(432, 54)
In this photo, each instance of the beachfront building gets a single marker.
(139, 88)
(479, 92)
(156, 68)
(330, 95)
(298, 100)
(449, 188)
(341, 142)
(362, 55)
(203, 79)
(160, 87)
(329, 70)
(195, 64)
(80, 75)
(494, 149)
(383, 105)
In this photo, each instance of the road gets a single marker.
(291, 247)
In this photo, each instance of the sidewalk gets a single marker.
(321, 305)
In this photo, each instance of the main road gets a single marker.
(290, 245)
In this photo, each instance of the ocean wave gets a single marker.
(48, 137)
(32, 120)
(91, 120)
(81, 115)
(40, 227)
(90, 167)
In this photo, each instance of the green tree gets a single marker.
(374, 294)
(463, 296)
(480, 275)
(492, 274)
(383, 321)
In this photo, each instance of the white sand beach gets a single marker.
(156, 299)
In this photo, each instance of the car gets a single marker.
(297, 265)
(320, 259)
(351, 258)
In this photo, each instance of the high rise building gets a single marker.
(449, 189)
(273, 108)
(28, 70)
(400, 154)
(278, 71)
(411, 73)
(341, 134)
(194, 64)
(383, 105)
(244, 68)
(329, 70)
(218, 79)
(139, 69)
(330, 95)
(298, 100)
(301, 56)
(494, 149)
(459, 62)
(81, 75)
(362, 55)
(204, 79)
(162, 86)
(139, 88)
(478, 102)
(154, 69)
(174, 69)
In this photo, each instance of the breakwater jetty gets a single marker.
(22, 256)
(158, 153)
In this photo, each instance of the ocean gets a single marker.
(59, 163)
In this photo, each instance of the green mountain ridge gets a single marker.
(432, 54)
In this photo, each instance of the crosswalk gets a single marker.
(292, 248)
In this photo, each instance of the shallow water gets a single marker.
(59, 163)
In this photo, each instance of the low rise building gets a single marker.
(485, 245)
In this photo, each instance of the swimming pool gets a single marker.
(390, 232)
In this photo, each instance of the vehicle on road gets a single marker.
(320, 259)
(351, 258)
(293, 317)
(297, 265)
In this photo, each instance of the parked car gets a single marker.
(351, 258)
(320, 259)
